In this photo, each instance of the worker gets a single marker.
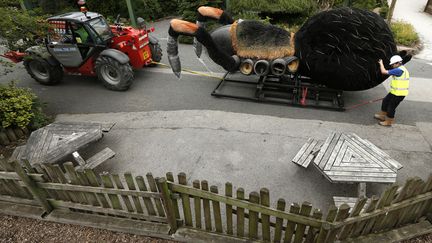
(82, 36)
(399, 86)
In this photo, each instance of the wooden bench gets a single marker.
(17, 153)
(93, 161)
(307, 152)
(350, 201)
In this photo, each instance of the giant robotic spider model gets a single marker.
(334, 51)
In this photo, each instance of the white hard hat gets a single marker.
(395, 59)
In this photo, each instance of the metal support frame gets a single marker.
(292, 90)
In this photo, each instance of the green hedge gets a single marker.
(303, 7)
(404, 33)
(19, 107)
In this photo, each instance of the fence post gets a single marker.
(37, 192)
(169, 207)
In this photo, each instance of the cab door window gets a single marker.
(80, 33)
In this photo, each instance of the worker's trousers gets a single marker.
(389, 104)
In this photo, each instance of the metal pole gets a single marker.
(391, 10)
(23, 5)
(347, 3)
(429, 2)
(131, 13)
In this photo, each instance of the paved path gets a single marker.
(251, 151)
(412, 11)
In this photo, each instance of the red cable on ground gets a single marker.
(363, 103)
(304, 94)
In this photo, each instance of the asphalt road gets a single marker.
(158, 89)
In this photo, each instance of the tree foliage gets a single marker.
(147, 9)
(188, 8)
(9, 3)
(21, 29)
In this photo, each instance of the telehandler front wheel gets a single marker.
(114, 75)
(156, 52)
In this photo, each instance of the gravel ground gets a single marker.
(17, 229)
(421, 239)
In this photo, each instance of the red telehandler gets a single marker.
(83, 43)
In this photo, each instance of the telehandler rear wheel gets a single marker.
(42, 71)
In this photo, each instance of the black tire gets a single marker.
(156, 52)
(114, 75)
(42, 71)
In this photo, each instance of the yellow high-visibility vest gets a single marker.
(399, 85)
(82, 35)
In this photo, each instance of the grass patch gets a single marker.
(404, 33)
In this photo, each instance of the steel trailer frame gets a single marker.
(293, 89)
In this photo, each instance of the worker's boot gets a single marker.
(381, 115)
(387, 122)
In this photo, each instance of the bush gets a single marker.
(148, 9)
(404, 33)
(303, 7)
(21, 29)
(19, 107)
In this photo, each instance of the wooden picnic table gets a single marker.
(55, 141)
(348, 158)
(345, 157)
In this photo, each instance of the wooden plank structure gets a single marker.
(346, 157)
(57, 140)
(184, 207)
(93, 161)
(351, 201)
(308, 152)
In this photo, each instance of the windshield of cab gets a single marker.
(101, 27)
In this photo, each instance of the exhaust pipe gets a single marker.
(262, 67)
(247, 67)
(292, 64)
(278, 67)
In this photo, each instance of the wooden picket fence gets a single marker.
(201, 207)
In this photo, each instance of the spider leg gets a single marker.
(181, 27)
(205, 13)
